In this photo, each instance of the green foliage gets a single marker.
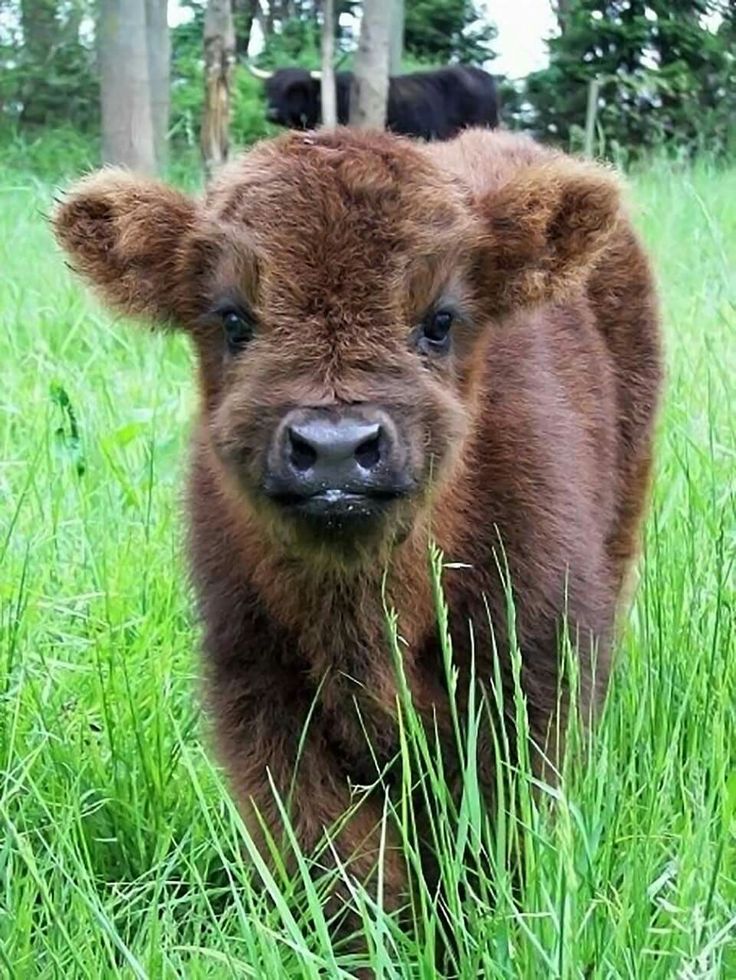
(248, 121)
(295, 43)
(443, 31)
(513, 105)
(47, 64)
(187, 79)
(120, 851)
(48, 78)
(294, 37)
(667, 75)
(667, 69)
(247, 110)
(50, 154)
(248, 118)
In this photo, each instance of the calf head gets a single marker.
(339, 289)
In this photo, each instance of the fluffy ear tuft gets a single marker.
(124, 235)
(544, 231)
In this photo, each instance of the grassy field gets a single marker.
(120, 853)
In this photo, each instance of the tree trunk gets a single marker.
(244, 13)
(269, 20)
(41, 30)
(396, 51)
(159, 59)
(72, 23)
(562, 10)
(127, 125)
(329, 97)
(219, 59)
(369, 89)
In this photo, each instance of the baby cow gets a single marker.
(397, 343)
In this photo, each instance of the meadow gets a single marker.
(120, 852)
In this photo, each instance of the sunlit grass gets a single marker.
(120, 852)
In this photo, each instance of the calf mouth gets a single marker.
(337, 509)
(347, 523)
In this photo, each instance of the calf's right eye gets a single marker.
(436, 327)
(238, 327)
(435, 331)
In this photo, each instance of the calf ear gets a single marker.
(125, 235)
(544, 230)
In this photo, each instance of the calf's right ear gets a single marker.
(125, 236)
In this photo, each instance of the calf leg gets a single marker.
(273, 751)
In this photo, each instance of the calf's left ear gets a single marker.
(544, 230)
(124, 235)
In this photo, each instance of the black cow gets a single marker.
(429, 104)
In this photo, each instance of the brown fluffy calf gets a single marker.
(396, 342)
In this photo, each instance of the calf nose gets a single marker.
(352, 449)
(334, 449)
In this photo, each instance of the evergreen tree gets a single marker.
(661, 65)
(442, 31)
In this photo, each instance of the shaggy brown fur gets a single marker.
(533, 432)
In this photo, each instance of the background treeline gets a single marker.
(667, 71)
(666, 68)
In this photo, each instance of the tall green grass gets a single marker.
(120, 852)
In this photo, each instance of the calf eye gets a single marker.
(238, 327)
(436, 329)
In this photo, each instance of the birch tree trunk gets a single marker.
(159, 74)
(219, 60)
(396, 51)
(329, 97)
(244, 13)
(369, 89)
(127, 125)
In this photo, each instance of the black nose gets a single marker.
(335, 455)
(333, 446)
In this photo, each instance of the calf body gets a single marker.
(397, 344)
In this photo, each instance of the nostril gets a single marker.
(301, 455)
(368, 453)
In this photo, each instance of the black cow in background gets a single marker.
(434, 105)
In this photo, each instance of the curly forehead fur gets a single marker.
(334, 219)
(525, 441)
(331, 173)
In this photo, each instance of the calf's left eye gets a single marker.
(436, 329)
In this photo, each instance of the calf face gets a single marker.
(339, 288)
